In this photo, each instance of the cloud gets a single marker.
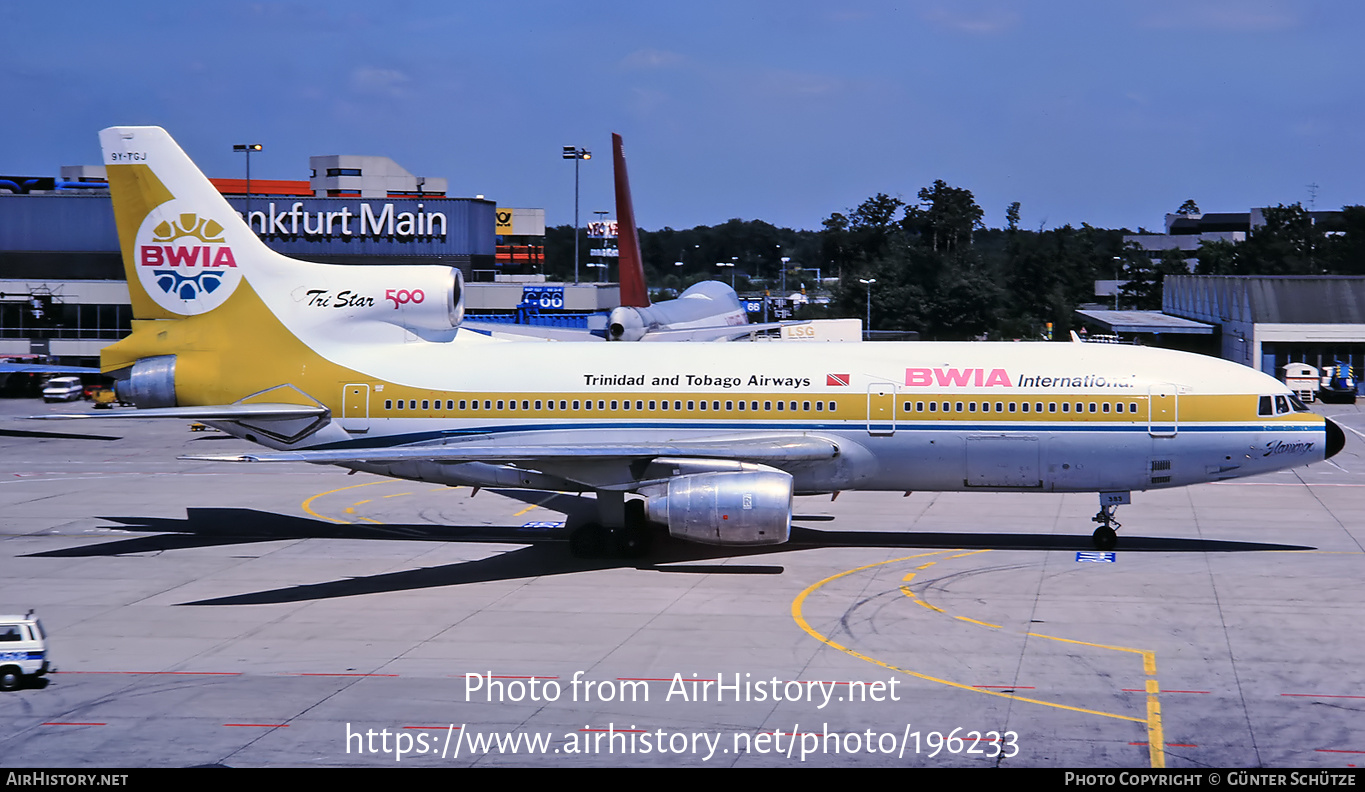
(979, 20)
(386, 82)
(1239, 16)
(651, 59)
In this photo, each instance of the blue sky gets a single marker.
(1107, 113)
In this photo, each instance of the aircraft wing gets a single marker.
(750, 449)
(715, 333)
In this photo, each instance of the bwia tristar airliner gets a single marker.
(366, 367)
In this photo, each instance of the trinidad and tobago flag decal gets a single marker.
(833, 380)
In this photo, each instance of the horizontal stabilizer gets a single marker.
(752, 449)
(212, 412)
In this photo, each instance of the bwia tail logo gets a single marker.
(184, 262)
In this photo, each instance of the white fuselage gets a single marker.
(912, 416)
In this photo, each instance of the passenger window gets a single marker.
(729, 405)
(388, 404)
(805, 406)
(715, 405)
(639, 405)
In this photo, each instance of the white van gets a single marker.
(63, 389)
(23, 650)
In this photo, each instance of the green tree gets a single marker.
(946, 215)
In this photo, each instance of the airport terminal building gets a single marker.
(63, 295)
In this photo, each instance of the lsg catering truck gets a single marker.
(23, 650)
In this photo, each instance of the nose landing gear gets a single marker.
(1106, 536)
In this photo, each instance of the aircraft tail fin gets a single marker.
(632, 271)
(185, 249)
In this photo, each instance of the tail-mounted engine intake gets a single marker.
(739, 508)
(148, 383)
(430, 298)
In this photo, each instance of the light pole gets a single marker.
(867, 331)
(576, 153)
(247, 148)
(731, 265)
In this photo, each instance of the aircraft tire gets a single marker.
(634, 538)
(1104, 538)
(588, 541)
(633, 541)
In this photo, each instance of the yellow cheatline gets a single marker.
(800, 619)
(308, 504)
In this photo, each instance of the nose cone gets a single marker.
(1336, 439)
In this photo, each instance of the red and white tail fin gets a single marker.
(632, 271)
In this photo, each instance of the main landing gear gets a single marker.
(622, 531)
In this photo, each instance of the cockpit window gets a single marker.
(1299, 406)
(1281, 405)
(1266, 406)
